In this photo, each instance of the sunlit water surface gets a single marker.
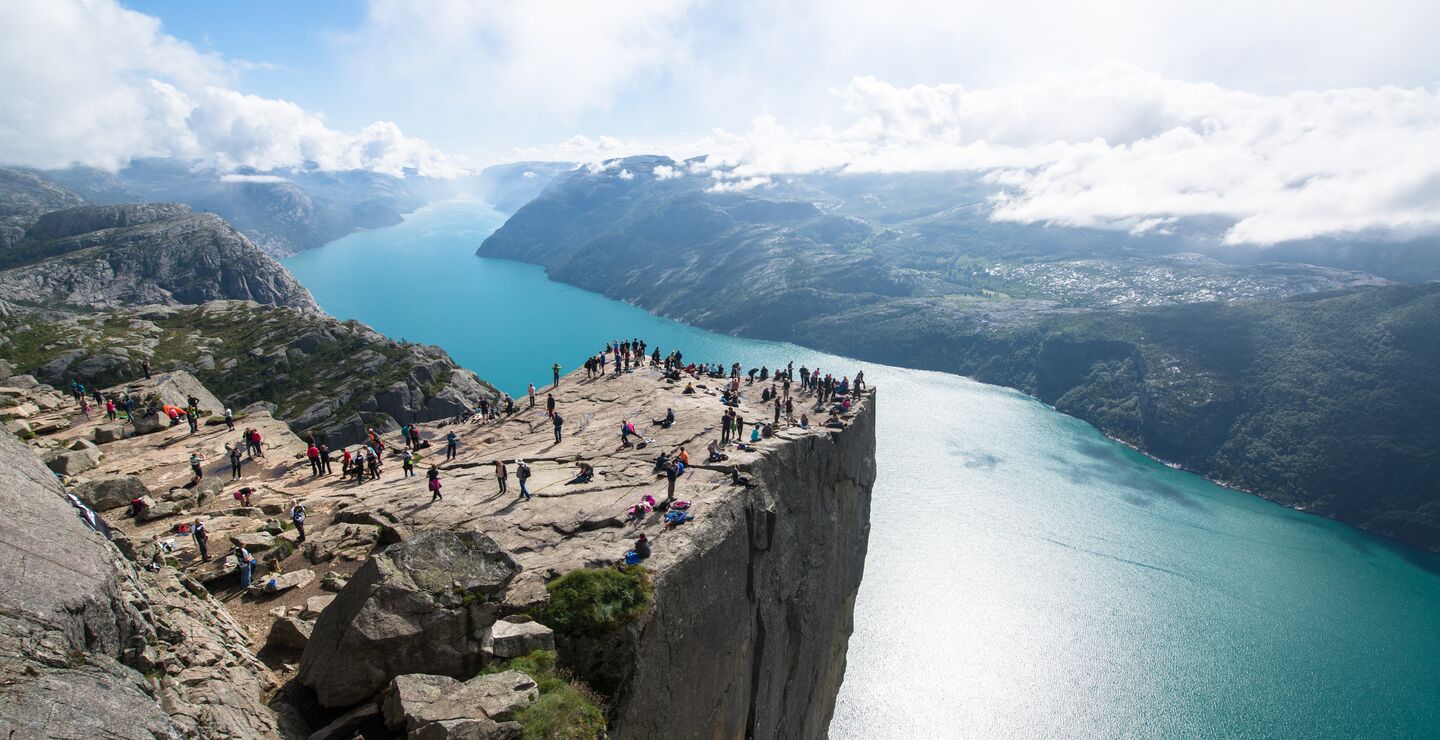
(1026, 576)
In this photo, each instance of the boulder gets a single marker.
(149, 423)
(285, 581)
(80, 444)
(159, 511)
(252, 541)
(468, 729)
(73, 462)
(289, 633)
(23, 410)
(417, 607)
(107, 433)
(27, 382)
(111, 491)
(407, 695)
(51, 426)
(345, 726)
(512, 639)
(333, 582)
(496, 696)
(226, 567)
(315, 605)
(18, 428)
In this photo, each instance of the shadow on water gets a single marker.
(1106, 465)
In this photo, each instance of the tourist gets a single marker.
(192, 417)
(297, 515)
(501, 474)
(407, 463)
(243, 496)
(586, 474)
(234, 461)
(549, 404)
(229, 419)
(197, 458)
(325, 461)
(642, 546)
(672, 472)
(145, 366)
(202, 540)
(726, 425)
(245, 565)
(735, 476)
(110, 412)
(313, 454)
(558, 422)
(372, 461)
(522, 473)
(555, 370)
(666, 422)
(452, 444)
(532, 395)
(415, 431)
(433, 474)
(804, 421)
(626, 429)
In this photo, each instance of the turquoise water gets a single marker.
(1027, 577)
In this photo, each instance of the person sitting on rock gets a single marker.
(755, 434)
(736, 478)
(715, 454)
(586, 474)
(689, 388)
(666, 422)
(642, 546)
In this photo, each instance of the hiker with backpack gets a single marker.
(522, 473)
(297, 515)
(434, 483)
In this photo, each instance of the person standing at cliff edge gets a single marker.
(555, 370)
(532, 395)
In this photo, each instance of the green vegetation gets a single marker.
(566, 709)
(593, 601)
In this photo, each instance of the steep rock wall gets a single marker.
(749, 631)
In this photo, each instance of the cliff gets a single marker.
(92, 646)
(747, 608)
(101, 257)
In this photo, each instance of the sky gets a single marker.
(1289, 119)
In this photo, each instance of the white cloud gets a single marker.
(90, 82)
(1117, 147)
(666, 172)
(265, 179)
(626, 175)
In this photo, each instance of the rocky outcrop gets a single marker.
(98, 257)
(91, 647)
(336, 378)
(419, 607)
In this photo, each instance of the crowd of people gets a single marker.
(782, 391)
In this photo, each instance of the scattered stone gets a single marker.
(52, 426)
(73, 462)
(289, 633)
(18, 428)
(510, 639)
(111, 492)
(315, 605)
(410, 693)
(253, 541)
(159, 511)
(333, 582)
(107, 433)
(81, 444)
(496, 696)
(286, 581)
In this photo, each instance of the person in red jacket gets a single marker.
(314, 454)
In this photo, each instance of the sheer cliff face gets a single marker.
(114, 256)
(749, 630)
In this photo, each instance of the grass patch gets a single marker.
(566, 708)
(593, 601)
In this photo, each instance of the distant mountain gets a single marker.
(98, 257)
(507, 187)
(1312, 385)
(283, 211)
